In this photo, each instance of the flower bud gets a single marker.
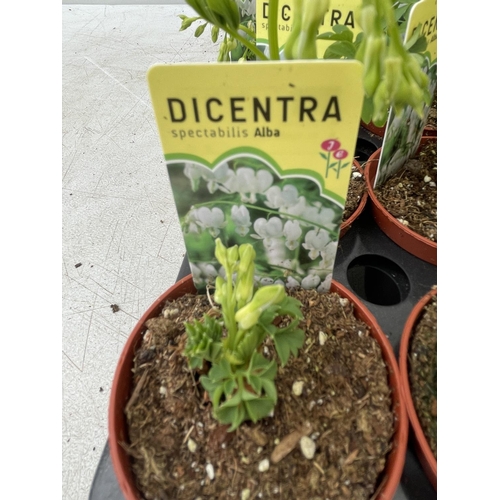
(220, 290)
(266, 296)
(220, 252)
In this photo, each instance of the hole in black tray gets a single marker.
(364, 149)
(378, 280)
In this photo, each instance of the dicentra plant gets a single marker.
(240, 382)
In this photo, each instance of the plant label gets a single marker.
(260, 153)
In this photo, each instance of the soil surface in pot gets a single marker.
(410, 195)
(180, 452)
(423, 372)
(355, 192)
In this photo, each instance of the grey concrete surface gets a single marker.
(122, 243)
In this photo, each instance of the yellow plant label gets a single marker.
(342, 12)
(260, 153)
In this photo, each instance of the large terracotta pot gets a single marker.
(122, 383)
(424, 452)
(403, 236)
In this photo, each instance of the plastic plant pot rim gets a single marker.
(122, 382)
(429, 131)
(424, 452)
(409, 240)
(346, 225)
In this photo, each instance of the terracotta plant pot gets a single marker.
(346, 225)
(122, 384)
(409, 240)
(424, 452)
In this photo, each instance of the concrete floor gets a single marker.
(122, 242)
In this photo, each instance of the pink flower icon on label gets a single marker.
(332, 146)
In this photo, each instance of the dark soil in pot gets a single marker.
(422, 372)
(357, 187)
(410, 195)
(335, 392)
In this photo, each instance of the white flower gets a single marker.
(191, 221)
(328, 255)
(292, 283)
(247, 7)
(203, 273)
(193, 173)
(241, 219)
(268, 229)
(310, 281)
(216, 178)
(319, 215)
(210, 219)
(249, 183)
(316, 240)
(292, 232)
(325, 284)
(277, 198)
(295, 210)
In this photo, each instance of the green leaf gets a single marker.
(259, 408)
(233, 415)
(418, 46)
(288, 343)
(340, 50)
(270, 389)
(324, 156)
(228, 10)
(340, 33)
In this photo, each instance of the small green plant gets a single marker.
(240, 382)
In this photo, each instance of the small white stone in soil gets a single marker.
(277, 441)
(427, 179)
(210, 471)
(192, 445)
(322, 338)
(298, 387)
(259, 450)
(163, 390)
(314, 436)
(343, 302)
(433, 184)
(307, 447)
(264, 465)
(319, 402)
(356, 174)
(245, 494)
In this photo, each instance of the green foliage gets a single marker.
(392, 74)
(240, 382)
(203, 341)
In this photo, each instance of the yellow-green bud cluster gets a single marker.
(391, 75)
(307, 17)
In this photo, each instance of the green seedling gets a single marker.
(240, 382)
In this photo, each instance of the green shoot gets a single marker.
(240, 382)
